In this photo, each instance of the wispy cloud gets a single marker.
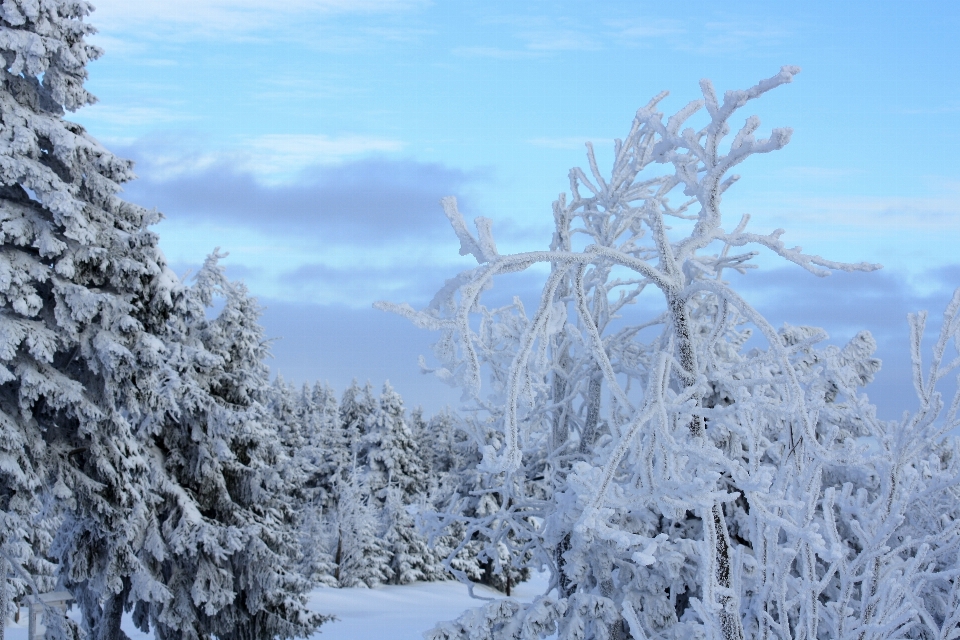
(639, 31)
(736, 36)
(496, 53)
(872, 214)
(701, 37)
(283, 153)
(372, 202)
(569, 142)
(219, 17)
(133, 116)
(560, 39)
(270, 159)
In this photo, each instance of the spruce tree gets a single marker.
(360, 555)
(226, 543)
(81, 278)
(389, 451)
(326, 431)
(130, 421)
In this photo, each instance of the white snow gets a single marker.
(403, 612)
(381, 613)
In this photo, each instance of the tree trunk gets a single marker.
(731, 625)
(559, 436)
(337, 558)
(108, 626)
(4, 596)
(563, 581)
(592, 423)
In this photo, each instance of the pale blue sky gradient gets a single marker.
(311, 139)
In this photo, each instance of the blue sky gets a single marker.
(312, 139)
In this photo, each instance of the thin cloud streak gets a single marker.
(269, 158)
(218, 17)
(496, 53)
(374, 201)
(569, 142)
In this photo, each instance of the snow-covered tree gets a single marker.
(80, 280)
(396, 477)
(357, 406)
(678, 486)
(410, 556)
(316, 413)
(437, 440)
(388, 451)
(361, 557)
(224, 539)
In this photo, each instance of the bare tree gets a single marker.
(675, 485)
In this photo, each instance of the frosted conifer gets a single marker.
(225, 539)
(81, 279)
(361, 558)
(357, 407)
(389, 452)
(333, 445)
(410, 557)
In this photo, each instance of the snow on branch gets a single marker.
(655, 465)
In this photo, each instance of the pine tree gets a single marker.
(389, 452)
(332, 444)
(225, 538)
(360, 556)
(80, 280)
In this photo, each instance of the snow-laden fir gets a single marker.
(674, 481)
(137, 468)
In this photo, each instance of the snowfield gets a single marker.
(403, 612)
(381, 613)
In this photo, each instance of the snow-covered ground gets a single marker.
(384, 613)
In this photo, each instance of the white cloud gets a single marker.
(569, 142)
(281, 154)
(218, 17)
(560, 40)
(647, 28)
(273, 158)
(735, 36)
(494, 52)
(100, 116)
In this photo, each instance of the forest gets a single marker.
(677, 465)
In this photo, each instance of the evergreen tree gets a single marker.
(360, 556)
(225, 537)
(357, 407)
(331, 453)
(437, 441)
(304, 418)
(410, 557)
(389, 452)
(81, 280)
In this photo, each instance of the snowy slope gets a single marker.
(402, 613)
(383, 613)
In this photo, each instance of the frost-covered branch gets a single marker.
(681, 485)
